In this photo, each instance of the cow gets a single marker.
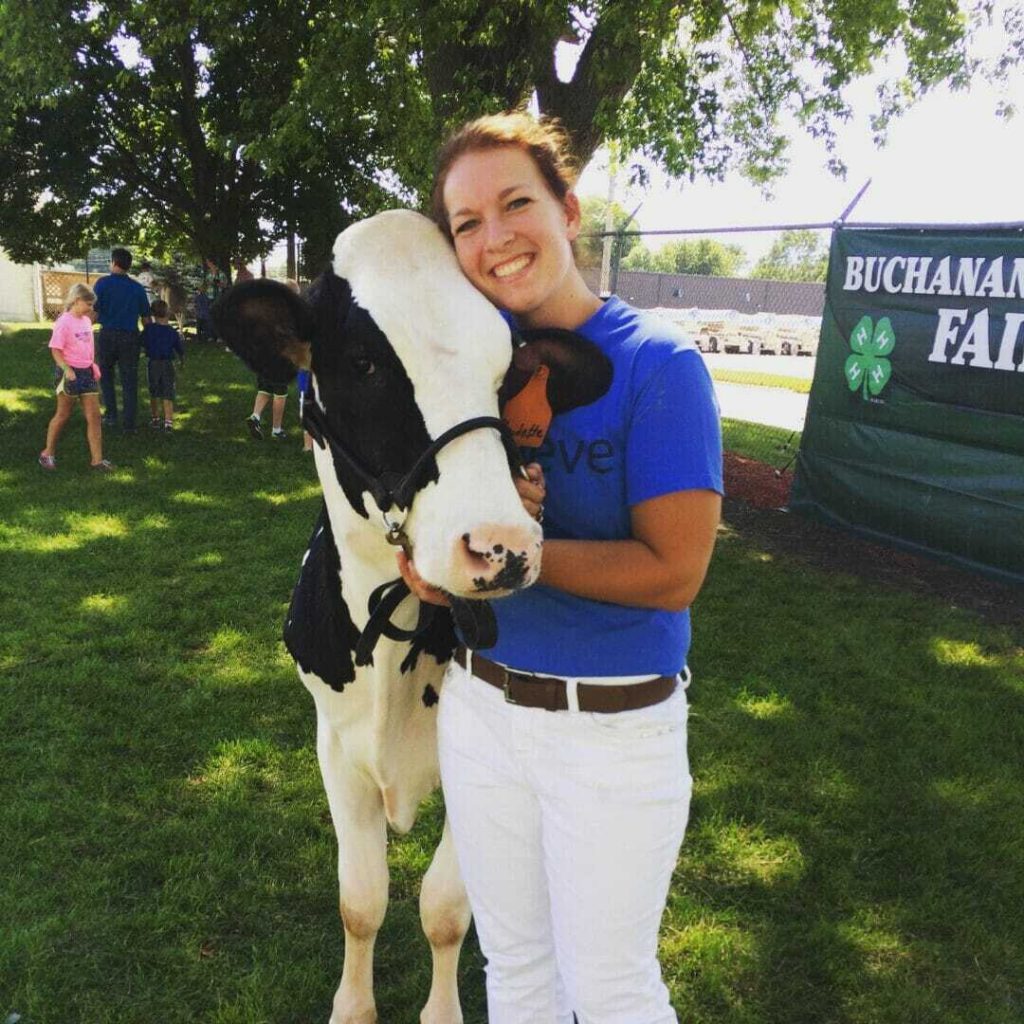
(406, 360)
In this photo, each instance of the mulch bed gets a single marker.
(756, 483)
(755, 507)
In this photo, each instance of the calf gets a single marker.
(402, 349)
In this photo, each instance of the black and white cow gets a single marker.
(402, 348)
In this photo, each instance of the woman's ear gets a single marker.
(573, 215)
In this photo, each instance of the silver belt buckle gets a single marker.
(509, 699)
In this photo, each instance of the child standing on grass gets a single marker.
(76, 377)
(161, 341)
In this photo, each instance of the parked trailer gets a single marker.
(727, 330)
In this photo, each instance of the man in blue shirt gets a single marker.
(120, 301)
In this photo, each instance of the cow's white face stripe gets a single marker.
(454, 345)
(455, 348)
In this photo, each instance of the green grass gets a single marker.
(772, 445)
(765, 380)
(855, 852)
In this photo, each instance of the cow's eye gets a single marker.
(364, 367)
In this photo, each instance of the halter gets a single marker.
(390, 490)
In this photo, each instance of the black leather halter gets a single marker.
(391, 490)
(474, 618)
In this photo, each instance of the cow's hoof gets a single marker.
(441, 1015)
(363, 1015)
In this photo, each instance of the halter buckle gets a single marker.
(396, 532)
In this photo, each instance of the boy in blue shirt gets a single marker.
(161, 342)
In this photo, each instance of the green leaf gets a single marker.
(878, 375)
(854, 371)
(860, 339)
(884, 339)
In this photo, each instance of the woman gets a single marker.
(567, 823)
(76, 377)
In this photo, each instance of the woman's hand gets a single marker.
(69, 373)
(419, 587)
(532, 490)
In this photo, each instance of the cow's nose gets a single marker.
(496, 557)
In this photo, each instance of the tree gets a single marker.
(698, 88)
(160, 122)
(699, 256)
(794, 256)
(224, 124)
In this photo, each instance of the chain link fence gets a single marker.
(759, 335)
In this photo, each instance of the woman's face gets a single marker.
(512, 235)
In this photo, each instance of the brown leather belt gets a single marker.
(548, 692)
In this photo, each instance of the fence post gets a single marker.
(37, 292)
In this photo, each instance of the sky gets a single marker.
(950, 158)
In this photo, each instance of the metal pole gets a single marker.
(619, 235)
(853, 202)
(609, 222)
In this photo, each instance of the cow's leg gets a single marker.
(358, 816)
(444, 911)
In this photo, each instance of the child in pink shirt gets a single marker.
(76, 376)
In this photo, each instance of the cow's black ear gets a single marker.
(267, 325)
(579, 372)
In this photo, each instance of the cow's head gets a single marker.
(401, 349)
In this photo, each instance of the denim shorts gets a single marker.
(85, 382)
(160, 377)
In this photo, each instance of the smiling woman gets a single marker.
(630, 483)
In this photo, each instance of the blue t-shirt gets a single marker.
(161, 341)
(120, 301)
(654, 432)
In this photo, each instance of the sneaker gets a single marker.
(254, 428)
(154, 423)
(47, 461)
(279, 435)
(168, 425)
(103, 466)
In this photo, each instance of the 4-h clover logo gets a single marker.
(867, 368)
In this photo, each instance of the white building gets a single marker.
(20, 299)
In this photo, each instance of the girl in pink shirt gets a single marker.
(76, 376)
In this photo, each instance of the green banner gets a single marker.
(915, 422)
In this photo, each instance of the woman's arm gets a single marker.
(661, 566)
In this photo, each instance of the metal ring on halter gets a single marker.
(396, 532)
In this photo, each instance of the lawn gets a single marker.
(772, 445)
(855, 853)
(802, 385)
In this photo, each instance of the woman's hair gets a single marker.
(78, 291)
(545, 140)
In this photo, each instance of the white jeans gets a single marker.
(567, 827)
